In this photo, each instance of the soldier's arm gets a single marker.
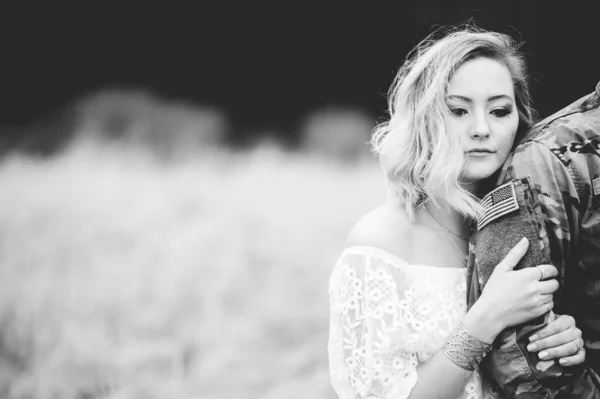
(556, 193)
(570, 203)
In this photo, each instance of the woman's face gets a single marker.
(484, 115)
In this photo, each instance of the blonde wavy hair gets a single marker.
(421, 159)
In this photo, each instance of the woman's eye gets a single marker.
(501, 112)
(458, 111)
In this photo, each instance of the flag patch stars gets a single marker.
(501, 201)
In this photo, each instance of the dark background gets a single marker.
(267, 64)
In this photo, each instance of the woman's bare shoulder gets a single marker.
(385, 227)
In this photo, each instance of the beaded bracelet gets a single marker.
(465, 350)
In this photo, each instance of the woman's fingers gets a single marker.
(548, 286)
(513, 257)
(546, 307)
(545, 298)
(554, 341)
(549, 271)
(574, 360)
(560, 339)
(559, 324)
(542, 272)
(569, 349)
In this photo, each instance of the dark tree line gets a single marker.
(264, 66)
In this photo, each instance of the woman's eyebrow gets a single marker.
(456, 96)
(467, 99)
(499, 97)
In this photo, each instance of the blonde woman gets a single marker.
(399, 321)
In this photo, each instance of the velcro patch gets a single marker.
(501, 201)
(596, 184)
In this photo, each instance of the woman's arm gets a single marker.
(442, 377)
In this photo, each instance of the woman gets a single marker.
(399, 323)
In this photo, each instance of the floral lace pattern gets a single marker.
(387, 319)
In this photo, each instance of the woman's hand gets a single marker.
(560, 339)
(512, 297)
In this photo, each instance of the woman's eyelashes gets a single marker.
(500, 112)
(458, 111)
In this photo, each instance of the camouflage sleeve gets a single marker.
(567, 181)
(560, 162)
(556, 193)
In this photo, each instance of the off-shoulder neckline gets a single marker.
(391, 258)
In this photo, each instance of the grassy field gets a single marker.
(125, 277)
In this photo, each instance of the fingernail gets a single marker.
(562, 361)
(533, 338)
(543, 355)
(531, 347)
(523, 240)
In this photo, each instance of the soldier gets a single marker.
(552, 178)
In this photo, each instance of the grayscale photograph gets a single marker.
(293, 200)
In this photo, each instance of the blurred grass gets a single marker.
(125, 277)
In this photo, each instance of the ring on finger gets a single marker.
(541, 269)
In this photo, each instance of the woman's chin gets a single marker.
(474, 176)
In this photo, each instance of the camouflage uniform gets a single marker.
(552, 182)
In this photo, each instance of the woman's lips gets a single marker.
(480, 152)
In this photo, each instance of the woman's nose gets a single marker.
(481, 128)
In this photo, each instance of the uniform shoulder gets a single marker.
(578, 122)
(384, 227)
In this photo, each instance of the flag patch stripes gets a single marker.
(501, 201)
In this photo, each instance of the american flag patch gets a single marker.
(499, 202)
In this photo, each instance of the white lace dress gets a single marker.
(387, 319)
